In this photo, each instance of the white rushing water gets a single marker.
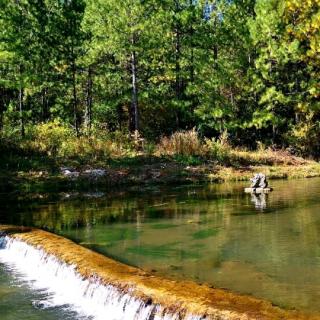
(65, 287)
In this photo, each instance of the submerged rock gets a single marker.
(94, 174)
(94, 195)
(90, 174)
(69, 173)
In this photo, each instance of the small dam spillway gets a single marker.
(101, 288)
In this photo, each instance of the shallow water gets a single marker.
(20, 300)
(265, 246)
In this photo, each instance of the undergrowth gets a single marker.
(53, 144)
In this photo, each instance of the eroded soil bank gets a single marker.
(177, 297)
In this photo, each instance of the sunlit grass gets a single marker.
(181, 157)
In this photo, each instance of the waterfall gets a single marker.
(65, 286)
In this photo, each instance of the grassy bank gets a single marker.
(52, 157)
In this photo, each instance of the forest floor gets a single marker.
(34, 173)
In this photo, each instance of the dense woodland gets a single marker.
(245, 69)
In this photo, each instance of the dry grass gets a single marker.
(185, 143)
(53, 142)
(265, 157)
(188, 143)
(221, 173)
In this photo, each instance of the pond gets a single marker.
(267, 246)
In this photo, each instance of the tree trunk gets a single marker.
(120, 116)
(75, 100)
(215, 56)
(2, 107)
(45, 104)
(134, 116)
(178, 66)
(88, 112)
(21, 93)
(191, 32)
(1, 119)
(178, 86)
(215, 48)
(22, 131)
(192, 66)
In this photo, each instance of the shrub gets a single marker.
(219, 149)
(84, 149)
(186, 143)
(305, 138)
(49, 137)
(149, 148)
(122, 140)
(59, 141)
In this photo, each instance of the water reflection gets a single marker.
(259, 200)
(211, 234)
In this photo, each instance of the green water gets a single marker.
(268, 246)
(19, 301)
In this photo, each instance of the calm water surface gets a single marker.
(267, 246)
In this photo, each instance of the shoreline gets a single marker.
(157, 173)
(174, 296)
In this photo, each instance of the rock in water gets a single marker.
(259, 184)
(259, 181)
(258, 190)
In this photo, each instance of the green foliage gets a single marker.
(149, 148)
(58, 141)
(249, 68)
(305, 137)
(219, 149)
(51, 137)
(284, 78)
